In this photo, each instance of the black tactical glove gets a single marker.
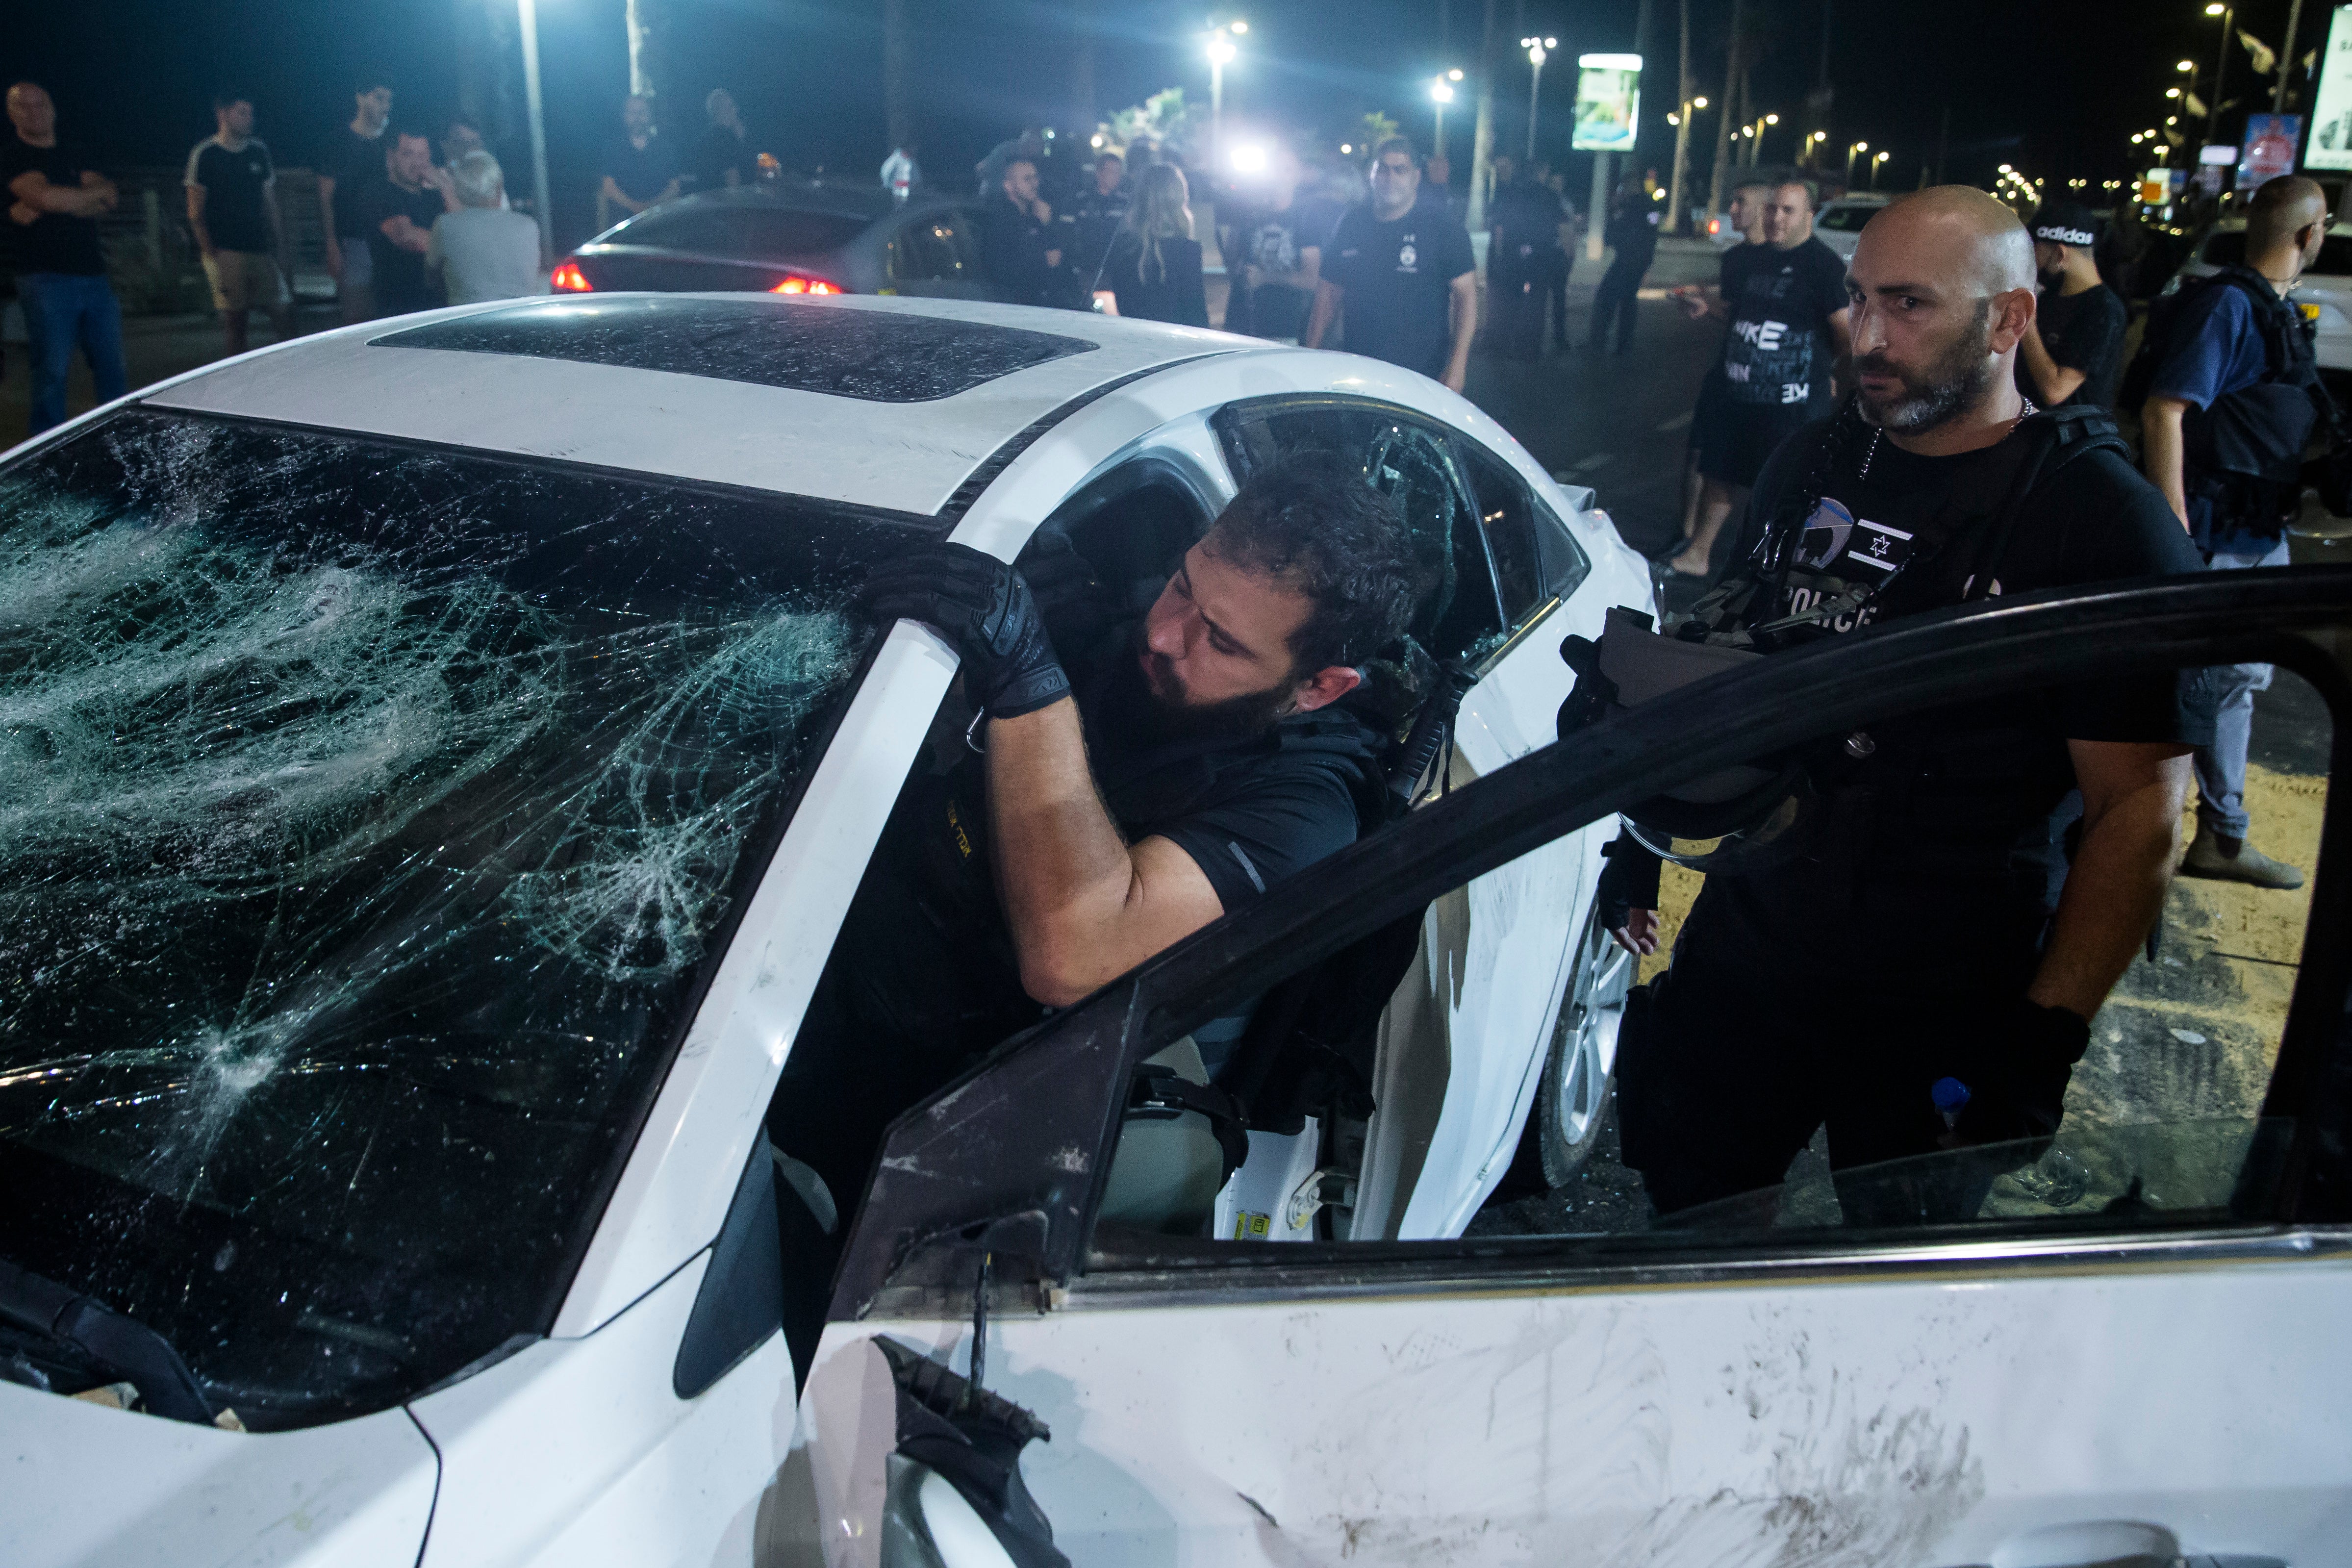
(2017, 1071)
(982, 606)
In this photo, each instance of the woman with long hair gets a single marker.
(1154, 266)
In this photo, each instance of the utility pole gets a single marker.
(1722, 128)
(897, 103)
(1082, 69)
(1674, 223)
(527, 15)
(2287, 58)
(1482, 142)
(2220, 68)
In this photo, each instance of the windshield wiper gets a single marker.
(121, 1348)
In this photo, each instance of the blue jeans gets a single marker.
(62, 309)
(2225, 693)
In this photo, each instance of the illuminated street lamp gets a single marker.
(1850, 152)
(1221, 49)
(1441, 93)
(1876, 159)
(2220, 66)
(1681, 121)
(1538, 49)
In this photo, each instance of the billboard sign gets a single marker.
(1608, 102)
(2271, 141)
(2331, 108)
(2217, 154)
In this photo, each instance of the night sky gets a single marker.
(2053, 86)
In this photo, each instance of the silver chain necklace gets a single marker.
(2025, 411)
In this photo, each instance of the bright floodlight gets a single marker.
(1771, 120)
(1699, 103)
(1861, 146)
(1441, 90)
(1241, 26)
(1249, 158)
(1221, 51)
(1455, 75)
(2216, 8)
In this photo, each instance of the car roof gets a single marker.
(893, 405)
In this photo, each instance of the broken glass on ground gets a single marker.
(367, 812)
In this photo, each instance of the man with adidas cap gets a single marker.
(1937, 484)
(2073, 350)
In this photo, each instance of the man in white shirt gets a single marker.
(484, 251)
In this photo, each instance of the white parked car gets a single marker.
(2324, 294)
(439, 766)
(1839, 223)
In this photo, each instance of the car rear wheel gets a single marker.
(1575, 1087)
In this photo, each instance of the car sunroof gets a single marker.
(880, 356)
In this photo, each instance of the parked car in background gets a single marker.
(789, 240)
(2324, 294)
(1839, 223)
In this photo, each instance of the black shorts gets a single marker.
(1734, 438)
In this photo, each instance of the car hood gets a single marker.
(88, 1485)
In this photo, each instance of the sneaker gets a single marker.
(2208, 856)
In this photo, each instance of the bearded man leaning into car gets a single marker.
(1075, 819)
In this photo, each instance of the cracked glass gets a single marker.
(370, 817)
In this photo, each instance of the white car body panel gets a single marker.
(907, 457)
(1915, 1422)
(91, 1487)
(580, 1452)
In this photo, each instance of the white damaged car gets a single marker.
(438, 760)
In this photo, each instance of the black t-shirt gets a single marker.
(54, 242)
(2082, 331)
(642, 172)
(1092, 222)
(1779, 350)
(1940, 866)
(353, 163)
(235, 184)
(1274, 240)
(718, 150)
(401, 285)
(1012, 248)
(1397, 277)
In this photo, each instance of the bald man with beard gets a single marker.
(1938, 933)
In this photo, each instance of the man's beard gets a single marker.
(1939, 393)
(1234, 718)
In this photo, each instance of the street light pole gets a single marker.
(1441, 93)
(1536, 48)
(1221, 53)
(1850, 152)
(1876, 160)
(2220, 68)
(527, 13)
(2287, 58)
(1674, 223)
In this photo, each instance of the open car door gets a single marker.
(2131, 1349)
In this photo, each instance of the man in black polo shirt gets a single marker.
(54, 200)
(232, 208)
(2072, 351)
(1916, 938)
(1084, 821)
(1403, 274)
(638, 170)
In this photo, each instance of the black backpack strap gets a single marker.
(2059, 437)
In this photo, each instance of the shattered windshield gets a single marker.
(368, 816)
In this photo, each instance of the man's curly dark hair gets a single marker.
(1312, 522)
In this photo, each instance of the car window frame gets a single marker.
(1229, 418)
(950, 1187)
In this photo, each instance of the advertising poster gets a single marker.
(1608, 102)
(2271, 141)
(2331, 108)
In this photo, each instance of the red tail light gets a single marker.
(1715, 225)
(567, 279)
(793, 283)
